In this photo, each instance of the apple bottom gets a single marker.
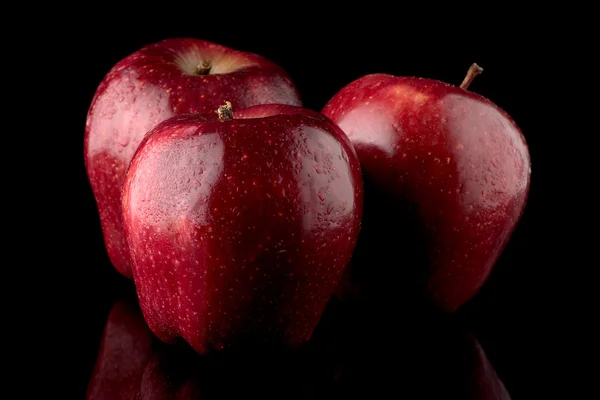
(403, 257)
(265, 303)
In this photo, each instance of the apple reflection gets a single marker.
(352, 355)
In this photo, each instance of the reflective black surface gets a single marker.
(357, 352)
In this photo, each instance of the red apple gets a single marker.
(239, 229)
(446, 179)
(125, 350)
(167, 78)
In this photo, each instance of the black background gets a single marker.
(526, 316)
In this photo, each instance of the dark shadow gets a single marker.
(390, 263)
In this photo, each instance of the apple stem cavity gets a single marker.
(203, 68)
(225, 112)
(473, 71)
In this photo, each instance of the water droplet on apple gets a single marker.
(122, 139)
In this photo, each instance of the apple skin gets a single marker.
(446, 175)
(125, 350)
(152, 85)
(240, 230)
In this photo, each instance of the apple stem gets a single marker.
(473, 71)
(203, 68)
(225, 112)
